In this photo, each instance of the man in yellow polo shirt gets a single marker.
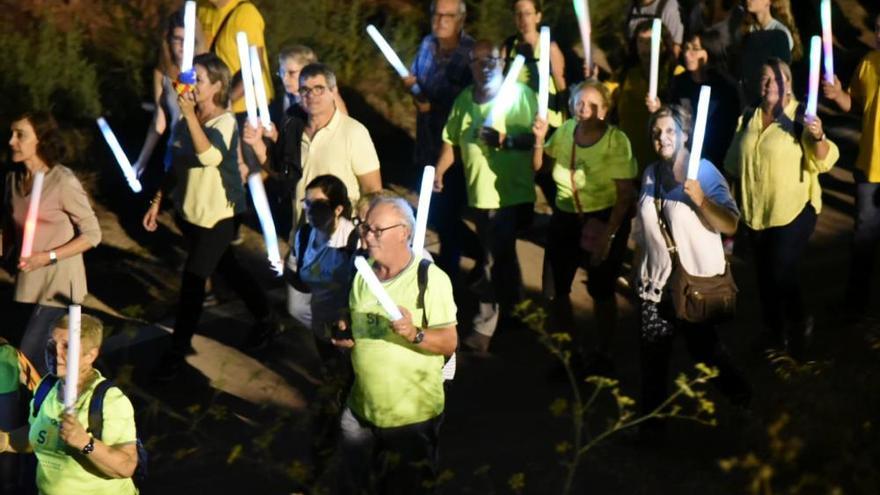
(862, 98)
(397, 399)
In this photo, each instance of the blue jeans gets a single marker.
(866, 239)
(37, 334)
(400, 459)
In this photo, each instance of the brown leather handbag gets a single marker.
(695, 299)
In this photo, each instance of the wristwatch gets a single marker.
(90, 447)
(420, 336)
(53, 257)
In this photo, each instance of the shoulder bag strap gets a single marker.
(42, 391)
(424, 264)
(661, 217)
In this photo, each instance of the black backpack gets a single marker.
(96, 418)
(293, 278)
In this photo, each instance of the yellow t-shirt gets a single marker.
(778, 172)
(245, 18)
(596, 168)
(864, 90)
(396, 383)
(61, 470)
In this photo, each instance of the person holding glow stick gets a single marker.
(441, 69)
(595, 175)
(69, 458)
(777, 158)
(397, 400)
(166, 112)
(501, 188)
(694, 213)
(66, 226)
(528, 14)
(208, 194)
(860, 98)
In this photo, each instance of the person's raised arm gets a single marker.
(836, 93)
(539, 130)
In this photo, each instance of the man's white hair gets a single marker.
(404, 211)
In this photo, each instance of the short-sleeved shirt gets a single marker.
(209, 187)
(342, 148)
(495, 178)
(10, 374)
(778, 172)
(864, 89)
(397, 383)
(244, 18)
(596, 168)
(670, 17)
(61, 471)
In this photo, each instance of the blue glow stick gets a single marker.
(390, 55)
(504, 99)
(121, 159)
(258, 193)
(418, 242)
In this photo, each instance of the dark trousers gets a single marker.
(778, 252)
(400, 459)
(866, 240)
(447, 210)
(37, 334)
(206, 245)
(658, 329)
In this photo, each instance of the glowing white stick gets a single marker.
(189, 35)
(582, 10)
(827, 39)
(30, 222)
(376, 288)
(418, 243)
(815, 60)
(656, 31)
(699, 133)
(121, 159)
(74, 315)
(247, 79)
(544, 73)
(258, 193)
(260, 88)
(390, 55)
(506, 93)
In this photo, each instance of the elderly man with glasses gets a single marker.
(397, 400)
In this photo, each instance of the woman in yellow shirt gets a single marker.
(777, 157)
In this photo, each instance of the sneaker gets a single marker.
(477, 342)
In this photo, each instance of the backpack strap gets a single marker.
(422, 278)
(508, 45)
(303, 237)
(42, 391)
(223, 26)
(353, 239)
(96, 408)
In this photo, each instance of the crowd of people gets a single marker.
(611, 160)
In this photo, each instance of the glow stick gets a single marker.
(376, 288)
(390, 55)
(544, 73)
(656, 31)
(582, 10)
(74, 315)
(30, 222)
(418, 243)
(260, 88)
(121, 159)
(189, 36)
(247, 80)
(699, 132)
(827, 40)
(815, 60)
(258, 193)
(507, 92)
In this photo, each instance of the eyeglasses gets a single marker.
(305, 91)
(308, 203)
(376, 231)
(440, 16)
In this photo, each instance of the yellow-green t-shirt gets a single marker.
(396, 383)
(778, 172)
(9, 372)
(864, 90)
(245, 18)
(495, 177)
(596, 168)
(63, 471)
